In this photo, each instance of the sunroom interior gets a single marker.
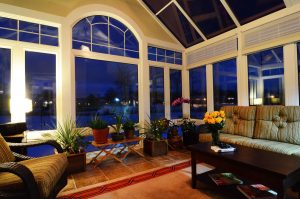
(62, 60)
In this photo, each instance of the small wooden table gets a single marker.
(275, 170)
(110, 147)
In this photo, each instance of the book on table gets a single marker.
(257, 191)
(225, 179)
(222, 147)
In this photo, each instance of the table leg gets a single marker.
(194, 170)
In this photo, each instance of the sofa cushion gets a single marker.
(46, 171)
(5, 152)
(268, 145)
(240, 120)
(278, 123)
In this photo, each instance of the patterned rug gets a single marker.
(98, 190)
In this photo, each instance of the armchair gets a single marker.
(31, 178)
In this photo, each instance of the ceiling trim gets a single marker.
(231, 14)
(163, 8)
(160, 23)
(190, 20)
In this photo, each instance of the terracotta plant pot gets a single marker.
(100, 135)
(129, 134)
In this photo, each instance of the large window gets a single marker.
(265, 71)
(40, 71)
(175, 92)
(225, 83)
(198, 102)
(105, 88)
(157, 105)
(5, 55)
(105, 35)
(28, 32)
(163, 55)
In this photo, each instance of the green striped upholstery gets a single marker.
(46, 171)
(5, 152)
(240, 120)
(224, 137)
(278, 123)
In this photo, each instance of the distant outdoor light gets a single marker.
(117, 99)
(84, 48)
(257, 101)
(272, 96)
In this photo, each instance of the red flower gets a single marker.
(180, 100)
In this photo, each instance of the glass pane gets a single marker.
(29, 27)
(132, 54)
(29, 37)
(225, 84)
(179, 26)
(198, 101)
(52, 41)
(157, 5)
(100, 34)
(80, 45)
(116, 51)
(97, 19)
(8, 34)
(49, 30)
(100, 49)
(5, 63)
(265, 72)
(130, 41)
(117, 24)
(116, 37)
(175, 92)
(8, 23)
(82, 31)
(157, 105)
(104, 88)
(247, 11)
(210, 16)
(41, 89)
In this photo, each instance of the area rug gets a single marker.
(109, 187)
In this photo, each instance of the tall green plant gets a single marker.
(69, 137)
(97, 123)
(155, 129)
(118, 126)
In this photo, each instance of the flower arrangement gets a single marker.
(215, 121)
(180, 100)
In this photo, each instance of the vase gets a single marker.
(215, 137)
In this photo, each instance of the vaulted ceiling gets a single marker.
(193, 21)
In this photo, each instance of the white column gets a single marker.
(144, 84)
(242, 80)
(18, 88)
(209, 87)
(242, 74)
(291, 85)
(185, 91)
(66, 76)
(167, 93)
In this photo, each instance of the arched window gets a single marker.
(105, 35)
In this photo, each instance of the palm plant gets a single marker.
(69, 136)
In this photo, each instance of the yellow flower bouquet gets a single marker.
(215, 121)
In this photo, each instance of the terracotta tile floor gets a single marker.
(110, 169)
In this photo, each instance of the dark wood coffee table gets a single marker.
(275, 170)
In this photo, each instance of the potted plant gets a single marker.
(72, 141)
(174, 140)
(154, 143)
(129, 128)
(117, 135)
(100, 130)
(189, 132)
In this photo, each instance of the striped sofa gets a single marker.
(271, 128)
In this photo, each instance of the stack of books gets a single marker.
(225, 179)
(222, 148)
(257, 191)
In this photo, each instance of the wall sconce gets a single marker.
(257, 101)
(85, 48)
(17, 105)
